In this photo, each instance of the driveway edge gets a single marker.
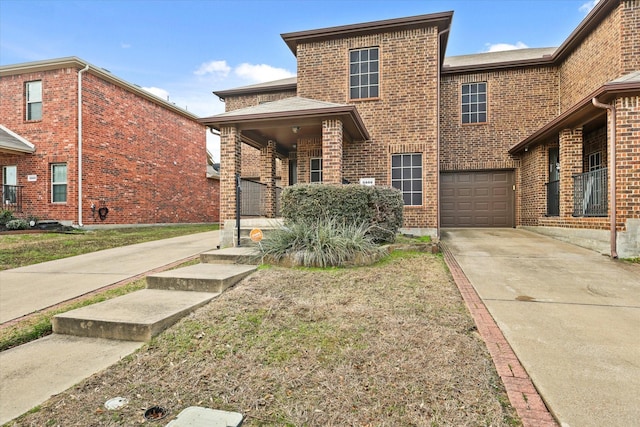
(520, 389)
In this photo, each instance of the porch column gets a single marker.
(230, 161)
(332, 151)
(570, 164)
(268, 177)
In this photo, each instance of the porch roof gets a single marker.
(584, 113)
(286, 120)
(11, 142)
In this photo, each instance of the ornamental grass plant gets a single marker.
(326, 243)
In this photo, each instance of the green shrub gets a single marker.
(326, 243)
(5, 216)
(17, 224)
(380, 208)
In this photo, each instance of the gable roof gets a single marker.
(75, 62)
(13, 143)
(277, 117)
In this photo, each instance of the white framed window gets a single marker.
(406, 176)
(364, 73)
(316, 170)
(33, 94)
(474, 102)
(595, 161)
(58, 183)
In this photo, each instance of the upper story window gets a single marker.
(474, 103)
(58, 183)
(406, 176)
(33, 92)
(316, 170)
(364, 73)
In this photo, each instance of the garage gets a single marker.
(477, 199)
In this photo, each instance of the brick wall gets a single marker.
(145, 163)
(518, 103)
(595, 62)
(55, 138)
(403, 119)
(630, 36)
(628, 159)
(532, 184)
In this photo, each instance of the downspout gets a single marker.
(438, 137)
(612, 173)
(80, 224)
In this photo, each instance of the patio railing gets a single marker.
(12, 198)
(590, 193)
(251, 198)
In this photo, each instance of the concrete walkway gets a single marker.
(31, 373)
(28, 289)
(572, 317)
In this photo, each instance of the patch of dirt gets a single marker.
(384, 345)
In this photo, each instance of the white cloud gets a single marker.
(261, 72)
(216, 68)
(125, 45)
(588, 6)
(159, 92)
(499, 47)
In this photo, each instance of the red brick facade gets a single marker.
(143, 161)
(534, 105)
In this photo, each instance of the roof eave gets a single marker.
(249, 91)
(442, 20)
(348, 111)
(536, 62)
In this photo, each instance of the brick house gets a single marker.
(504, 139)
(83, 147)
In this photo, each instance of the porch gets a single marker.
(306, 135)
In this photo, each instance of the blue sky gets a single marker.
(185, 49)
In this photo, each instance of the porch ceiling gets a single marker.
(277, 121)
(12, 143)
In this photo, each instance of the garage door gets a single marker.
(477, 199)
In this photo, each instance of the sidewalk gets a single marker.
(572, 317)
(28, 289)
(33, 372)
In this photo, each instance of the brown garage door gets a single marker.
(477, 199)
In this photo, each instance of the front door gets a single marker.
(9, 183)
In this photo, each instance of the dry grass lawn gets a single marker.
(385, 345)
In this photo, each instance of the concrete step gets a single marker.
(137, 316)
(232, 255)
(200, 277)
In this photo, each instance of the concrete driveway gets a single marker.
(572, 316)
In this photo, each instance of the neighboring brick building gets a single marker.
(124, 157)
(500, 139)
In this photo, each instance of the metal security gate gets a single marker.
(477, 199)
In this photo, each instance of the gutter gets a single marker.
(80, 224)
(612, 173)
(438, 137)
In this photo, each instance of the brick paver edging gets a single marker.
(522, 394)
